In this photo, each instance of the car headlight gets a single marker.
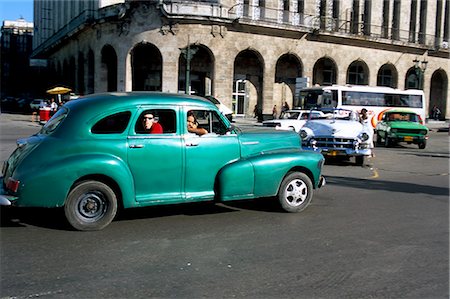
(303, 134)
(423, 132)
(393, 130)
(364, 136)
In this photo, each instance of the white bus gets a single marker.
(355, 97)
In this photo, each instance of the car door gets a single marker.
(156, 160)
(206, 155)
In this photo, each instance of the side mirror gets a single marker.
(230, 129)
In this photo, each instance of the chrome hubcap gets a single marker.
(296, 192)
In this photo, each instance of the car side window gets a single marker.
(210, 121)
(112, 124)
(163, 119)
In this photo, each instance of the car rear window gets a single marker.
(55, 121)
(112, 124)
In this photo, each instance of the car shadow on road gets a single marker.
(401, 187)
(40, 217)
(54, 218)
(188, 209)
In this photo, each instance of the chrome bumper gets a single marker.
(5, 200)
(322, 182)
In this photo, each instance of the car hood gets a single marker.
(257, 141)
(283, 121)
(338, 128)
(406, 125)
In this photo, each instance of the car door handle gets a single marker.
(136, 146)
(191, 143)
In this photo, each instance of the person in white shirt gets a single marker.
(53, 106)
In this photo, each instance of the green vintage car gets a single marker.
(95, 156)
(399, 125)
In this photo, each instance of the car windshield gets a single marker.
(213, 100)
(292, 115)
(402, 116)
(340, 114)
(54, 122)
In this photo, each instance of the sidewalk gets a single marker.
(18, 119)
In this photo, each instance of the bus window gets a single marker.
(327, 99)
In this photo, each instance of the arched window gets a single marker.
(357, 73)
(387, 76)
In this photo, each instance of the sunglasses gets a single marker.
(147, 118)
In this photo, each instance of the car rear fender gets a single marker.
(50, 186)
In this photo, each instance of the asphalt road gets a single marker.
(379, 231)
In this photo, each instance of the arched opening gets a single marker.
(65, 74)
(58, 73)
(325, 72)
(72, 73)
(387, 76)
(287, 70)
(247, 82)
(91, 72)
(201, 72)
(146, 64)
(412, 80)
(358, 73)
(109, 67)
(80, 75)
(438, 94)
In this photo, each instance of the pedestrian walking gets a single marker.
(274, 111)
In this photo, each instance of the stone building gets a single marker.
(245, 52)
(15, 49)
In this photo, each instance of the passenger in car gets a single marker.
(150, 125)
(192, 125)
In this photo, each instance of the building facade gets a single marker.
(15, 50)
(245, 52)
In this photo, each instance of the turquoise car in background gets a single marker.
(401, 125)
(93, 157)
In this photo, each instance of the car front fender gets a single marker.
(261, 175)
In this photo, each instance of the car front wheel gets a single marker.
(422, 144)
(387, 142)
(91, 205)
(359, 160)
(295, 192)
(378, 138)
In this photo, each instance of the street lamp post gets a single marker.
(188, 53)
(420, 67)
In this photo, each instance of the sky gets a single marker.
(12, 10)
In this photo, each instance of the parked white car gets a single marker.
(292, 120)
(338, 133)
(222, 108)
(38, 104)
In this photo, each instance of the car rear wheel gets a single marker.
(295, 192)
(91, 205)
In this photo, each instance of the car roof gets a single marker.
(117, 100)
(297, 110)
(86, 110)
(399, 110)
